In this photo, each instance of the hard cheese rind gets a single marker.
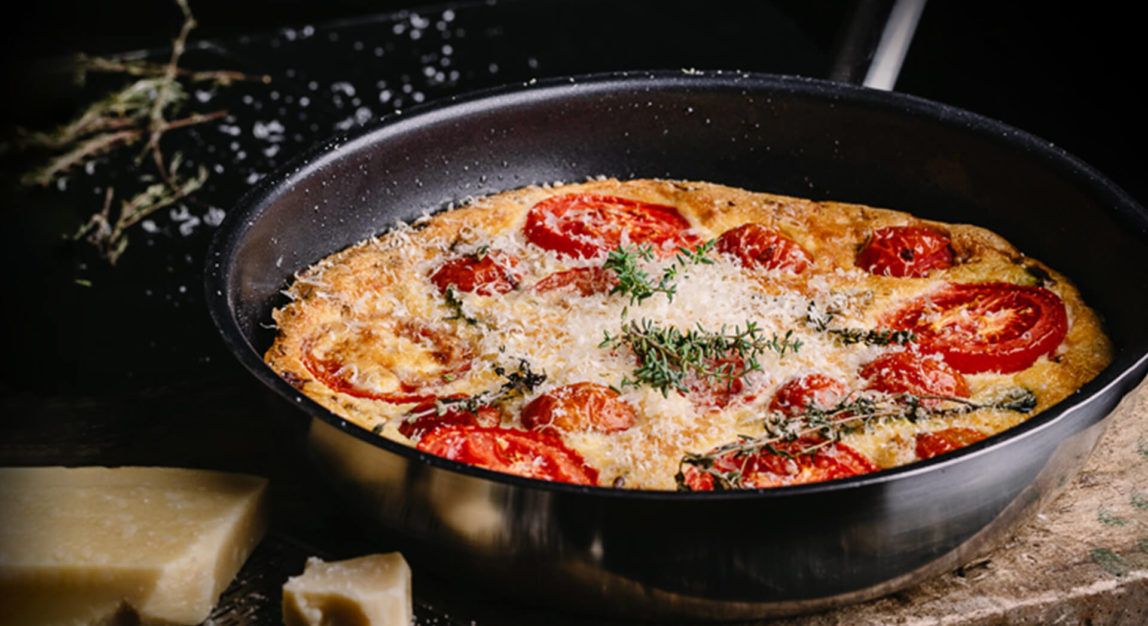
(78, 544)
(373, 590)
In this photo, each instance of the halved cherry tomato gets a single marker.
(425, 417)
(798, 395)
(905, 251)
(912, 373)
(786, 467)
(489, 274)
(586, 225)
(360, 355)
(986, 327)
(759, 246)
(718, 393)
(525, 453)
(587, 281)
(941, 441)
(578, 407)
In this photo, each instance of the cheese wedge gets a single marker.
(373, 590)
(83, 545)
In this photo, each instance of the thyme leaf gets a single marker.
(450, 297)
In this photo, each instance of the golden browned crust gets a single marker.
(373, 303)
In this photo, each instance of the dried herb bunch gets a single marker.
(143, 110)
(822, 427)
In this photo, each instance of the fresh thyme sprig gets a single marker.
(520, 382)
(819, 319)
(667, 356)
(823, 427)
(633, 281)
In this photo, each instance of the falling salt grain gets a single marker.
(149, 226)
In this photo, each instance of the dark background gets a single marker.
(122, 364)
(1067, 72)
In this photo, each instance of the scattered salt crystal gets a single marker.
(269, 131)
(214, 216)
(187, 227)
(343, 87)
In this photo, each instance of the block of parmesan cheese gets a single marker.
(372, 590)
(83, 545)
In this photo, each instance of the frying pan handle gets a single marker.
(875, 41)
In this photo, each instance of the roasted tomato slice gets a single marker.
(578, 407)
(586, 225)
(787, 466)
(487, 274)
(905, 251)
(718, 393)
(427, 416)
(797, 395)
(586, 281)
(525, 453)
(941, 441)
(407, 363)
(986, 327)
(913, 373)
(759, 246)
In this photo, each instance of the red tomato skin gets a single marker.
(762, 247)
(912, 373)
(586, 281)
(717, 394)
(905, 252)
(523, 453)
(796, 395)
(491, 274)
(766, 469)
(587, 225)
(578, 407)
(986, 327)
(946, 440)
(425, 417)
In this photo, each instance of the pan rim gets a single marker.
(1126, 368)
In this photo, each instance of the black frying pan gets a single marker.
(725, 554)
